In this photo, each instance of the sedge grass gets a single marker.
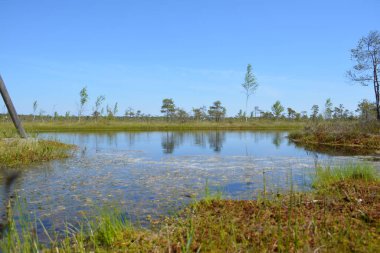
(325, 176)
(154, 125)
(15, 152)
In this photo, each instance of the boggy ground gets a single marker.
(341, 214)
(338, 137)
(343, 218)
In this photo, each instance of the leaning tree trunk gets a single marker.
(11, 109)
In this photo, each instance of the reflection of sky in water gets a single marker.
(156, 172)
(157, 144)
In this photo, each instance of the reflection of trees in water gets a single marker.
(260, 136)
(111, 139)
(131, 138)
(277, 139)
(96, 144)
(83, 139)
(200, 139)
(171, 140)
(168, 143)
(289, 142)
(216, 140)
(242, 135)
(315, 157)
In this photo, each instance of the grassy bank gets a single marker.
(340, 137)
(154, 125)
(342, 214)
(15, 152)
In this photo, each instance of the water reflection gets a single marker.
(131, 138)
(216, 140)
(200, 139)
(168, 142)
(151, 172)
(315, 157)
(172, 140)
(197, 142)
(277, 139)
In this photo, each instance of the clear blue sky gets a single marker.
(138, 52)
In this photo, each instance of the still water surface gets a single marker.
(155, 173)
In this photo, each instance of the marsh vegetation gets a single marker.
(16, 152)
(352, 138)
(340, 214)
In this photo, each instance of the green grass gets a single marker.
(328, 175)
(18, 235)
(343, 217)
(154, 125)
(15, 152)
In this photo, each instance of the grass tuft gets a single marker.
(326, 176)
(15, 152)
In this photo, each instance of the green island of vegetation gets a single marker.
(354, 138)
(341, 214)
(16, 152)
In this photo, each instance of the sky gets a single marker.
(139, 52)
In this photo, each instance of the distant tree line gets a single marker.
(365, 71)
(216, 112)
(366, 110)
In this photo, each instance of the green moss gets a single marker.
(16, 152)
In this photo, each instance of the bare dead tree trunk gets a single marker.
(376, 88)
(246, 108)
(11, 109)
